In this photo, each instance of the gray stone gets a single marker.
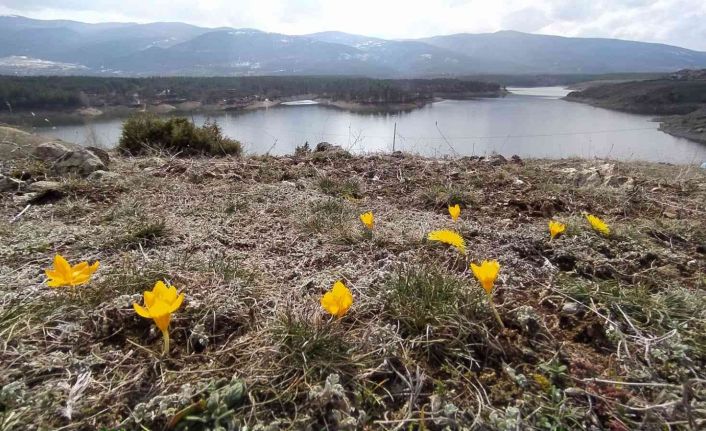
(103, 176)
(570, 308)
(66, 159)
(52, 151)
(101, 154)
(81, 162)
(43, 186)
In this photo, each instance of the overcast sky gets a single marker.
(677, 22)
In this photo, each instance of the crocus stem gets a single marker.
(495, 311)
(165, 337)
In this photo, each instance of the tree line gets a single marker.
(67, 92)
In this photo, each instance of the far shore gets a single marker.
(46, 118)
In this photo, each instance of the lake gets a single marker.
(529, 122)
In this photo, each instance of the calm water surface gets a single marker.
(530, 122)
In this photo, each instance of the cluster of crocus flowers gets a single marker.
(338, 300)
(368, 219)
(556, 228)
(454, 211)
(486, 273)
(598, 225)
(448, 237)
(160, 303)
(64, 274)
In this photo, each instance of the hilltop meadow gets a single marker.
(595, 330)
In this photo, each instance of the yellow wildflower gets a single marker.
(64, 274)
(448, 237)
(454, 211)
(486, 273)
(556, 228)
(598, 225)
(160, 303)
(338, 300)
(368, 219)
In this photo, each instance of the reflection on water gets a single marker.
(529, 122)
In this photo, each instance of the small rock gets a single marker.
(569, 309)
(66, 159)
(101, 154)
(496, 160)
(619, 181)
(528, 319)
(25, 198)
(51, 151)
(103, 176)
(516, 159)
(45, 186)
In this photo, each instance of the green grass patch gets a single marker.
(312, 349)
(346, 188)
(440, 196)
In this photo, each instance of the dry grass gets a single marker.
(601, 332)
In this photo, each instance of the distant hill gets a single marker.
(29, 46)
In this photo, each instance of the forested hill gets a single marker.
(69, 92)
(37, 47)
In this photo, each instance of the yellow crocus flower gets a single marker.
(338, 300)
(63, 274)
(368, 219)
(448, 237)
(486, 273)
(556, 228)
(598, 225)
(454, 211)
(160, 303)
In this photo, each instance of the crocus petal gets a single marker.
(141, 311)
(343, 295)
(159, 289)
(149, 298)
(93, 268)
(62, 267)
(177, 303)
(56, 283)
(80, 267)
(330, 304)
(170, 295)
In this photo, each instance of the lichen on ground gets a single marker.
(601, 332)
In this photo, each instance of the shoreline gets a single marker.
(678, 126)
(29, 118)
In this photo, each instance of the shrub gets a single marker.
(144, 133)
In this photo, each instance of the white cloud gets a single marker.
(679, 22)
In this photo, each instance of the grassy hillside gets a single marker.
(599, 331)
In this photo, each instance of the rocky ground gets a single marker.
(600, 332)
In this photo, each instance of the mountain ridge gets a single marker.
(173, 48)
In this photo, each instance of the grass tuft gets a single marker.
(347, 188)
